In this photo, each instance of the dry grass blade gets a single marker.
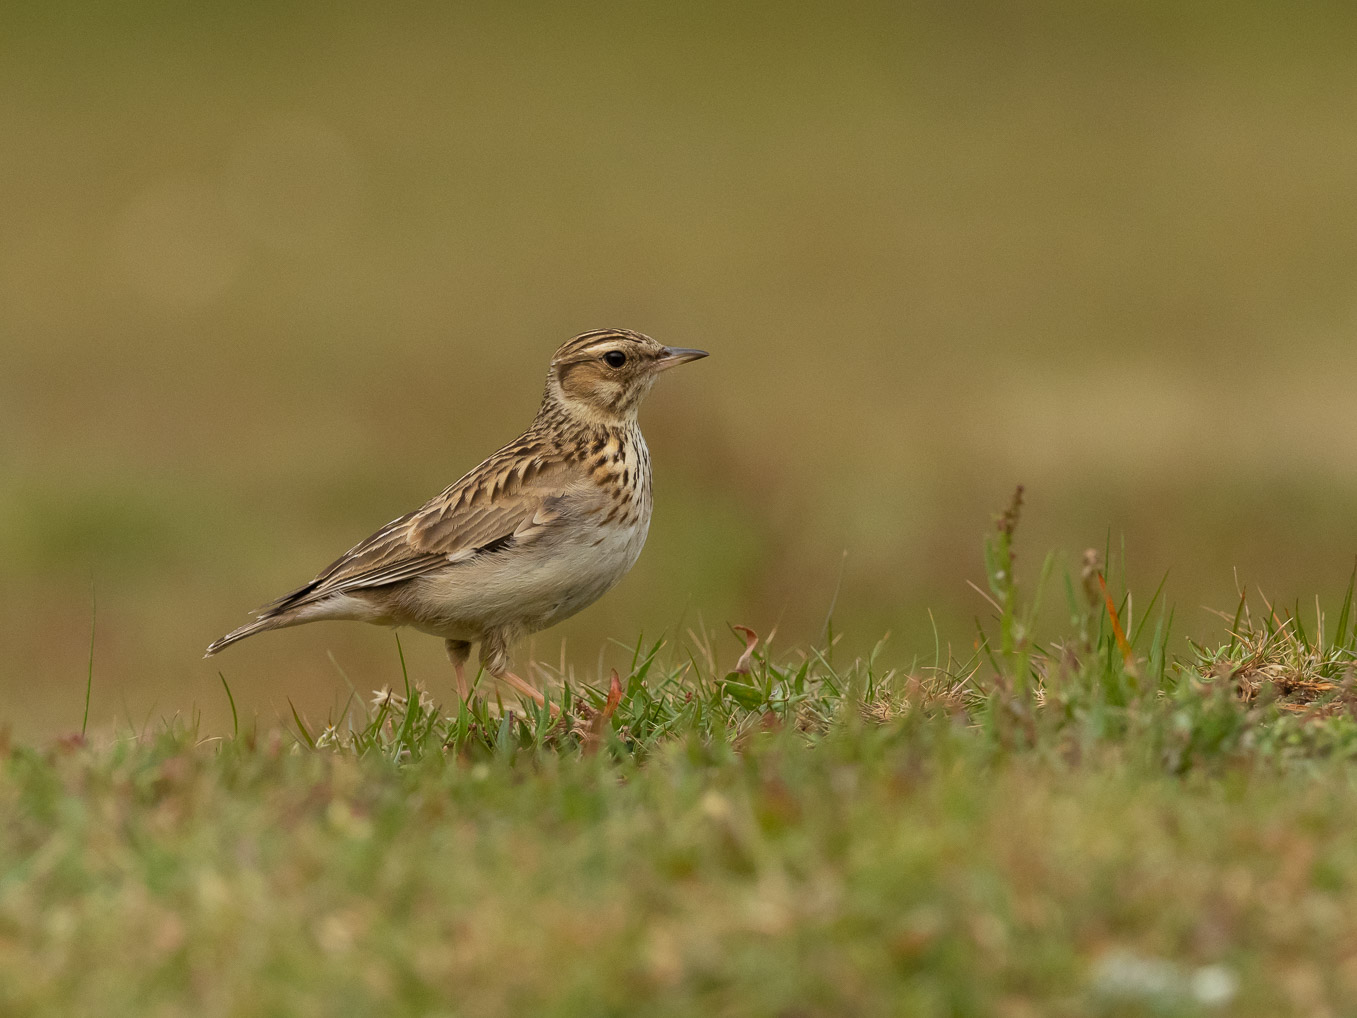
(751, 640)
(593, 738)
(1117, 631)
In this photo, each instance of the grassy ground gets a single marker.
(271, 277)
(1085, 826)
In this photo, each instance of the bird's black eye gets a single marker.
(614, 358)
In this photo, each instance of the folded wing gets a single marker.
(488, 511)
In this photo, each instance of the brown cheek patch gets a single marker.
(574, 381)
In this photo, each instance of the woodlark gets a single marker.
(540, 530)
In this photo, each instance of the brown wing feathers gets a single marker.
(483, 512)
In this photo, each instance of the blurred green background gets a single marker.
(271, 275)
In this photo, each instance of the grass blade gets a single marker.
(235, 720)
(1118, 633)
(89, 677)
(301, 725)
(1345, 614)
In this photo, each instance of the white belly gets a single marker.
(524, 588)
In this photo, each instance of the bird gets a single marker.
(540, 530)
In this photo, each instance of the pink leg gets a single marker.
(458, 650)
(495, 659)
(524, 689)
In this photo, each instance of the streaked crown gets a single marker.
(602, 376)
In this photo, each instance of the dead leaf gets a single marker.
(751, 640)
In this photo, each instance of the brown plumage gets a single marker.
(539, 530)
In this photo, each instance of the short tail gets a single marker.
(257, 626)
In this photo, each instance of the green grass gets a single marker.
(272, 276)
(1085, 825)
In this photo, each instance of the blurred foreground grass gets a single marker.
(271, 276)
(1083, 827)
(859, 877)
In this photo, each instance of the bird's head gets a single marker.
(602, 376)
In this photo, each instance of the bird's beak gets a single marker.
(677, 355)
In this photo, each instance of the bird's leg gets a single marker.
(522, 688)
(458, 652)
(495, 660)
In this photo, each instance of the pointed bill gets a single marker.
(678, 355)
